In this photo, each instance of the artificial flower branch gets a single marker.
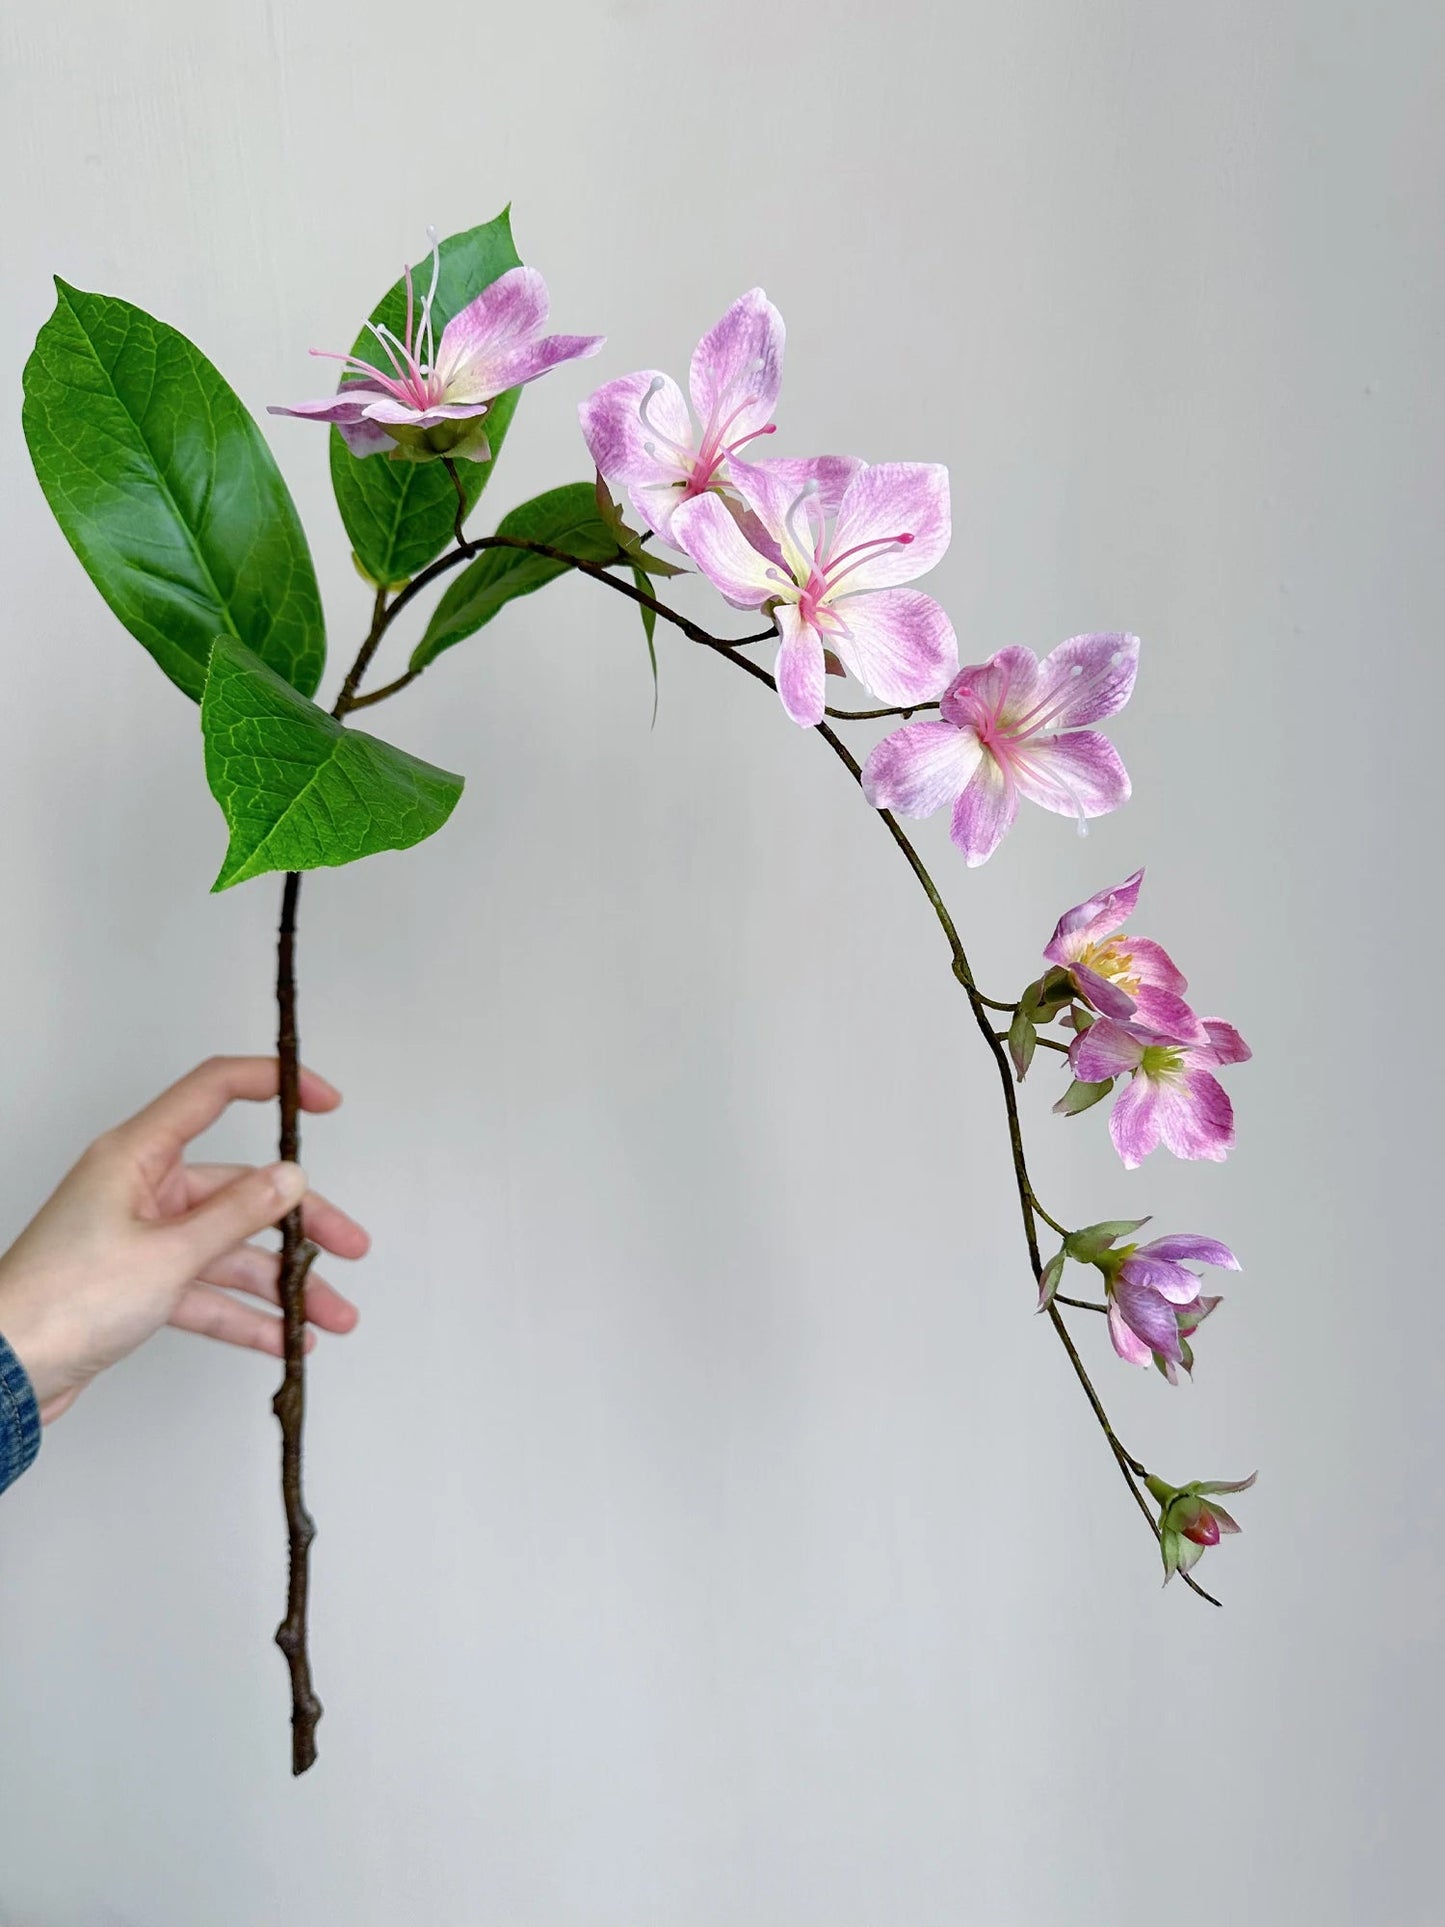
(467, 549)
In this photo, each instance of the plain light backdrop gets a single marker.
(710, 1535)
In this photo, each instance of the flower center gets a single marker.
(413, 379)
(1109, 959)
(1161, 1061)
(698, 466)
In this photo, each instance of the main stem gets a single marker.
(289, 1404)
(297, 1257)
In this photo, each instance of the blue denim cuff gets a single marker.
(19, 1418)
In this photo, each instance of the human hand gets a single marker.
(135, 1238)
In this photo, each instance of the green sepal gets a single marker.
(400, 513)
(1050, 1280)
(1090, 1242)
(165, 488)
(299, 791)
(1022, 1041)
(1079, 1096)
(564, 518)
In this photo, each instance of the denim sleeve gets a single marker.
(19, 1419)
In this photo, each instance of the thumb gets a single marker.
(238, 1211)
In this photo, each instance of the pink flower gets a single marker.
(834, 580)
(1008, 727)
(1123, 976)
(429, 399)
(1155, 1303)
(1172, 1096)
(641, 435)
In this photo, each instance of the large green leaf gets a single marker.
(399, 515)
(167, 492)
(563, 518)
(299, 790)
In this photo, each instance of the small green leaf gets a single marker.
(1050, 1281)
(399, 515)
(166, 490)
(649, 630)
(1022, 1040)
(298, 789)
(564, 518)
(1079, 1096)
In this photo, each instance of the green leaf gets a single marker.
(167, 492)
(399, 515)
(564, 518)
(1079, 1096)
(298, 789)
(649, 630)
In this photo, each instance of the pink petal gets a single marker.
(1105, 996)
(1168, 1281)
(1189, 1246)
(510, 367)
(1152, 964)
(800, 670)
(1088, 678)
(1076, 775)
(920, 767)
(1169, 1016)
(617, 437)
(1147, 1316)
(891, 499)
(510, 310)
(705, 529)
(1196, 1118)
(979, 693)
(1134, 1120)
(737, 367)
(1131, 1349)
(400, 415)
(985, 812)
(1225, 1045)
(897, 642)
(1107, 1049)
(1097, 916)
(350, 405)
(832, 473)
(1224, 1520)
(365, 438)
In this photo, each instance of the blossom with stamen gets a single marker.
(1172, 1097)
(834, 580)
(1155, 1301)
(641, 434)
(1009, 727)
(423, 398)
(1122, 976)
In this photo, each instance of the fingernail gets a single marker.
(288, 1181)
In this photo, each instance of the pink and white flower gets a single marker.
(643, 438)
(834, 579)
(1172, 1096)
(1155, 1302)
(429, 397)
(1013, 726)
(1123, 976)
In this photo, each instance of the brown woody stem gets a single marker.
(289, 1404)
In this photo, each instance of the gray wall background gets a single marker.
(710, 1535)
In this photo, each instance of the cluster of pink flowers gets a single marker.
(831, 547)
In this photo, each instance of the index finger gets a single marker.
(195, 1101)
